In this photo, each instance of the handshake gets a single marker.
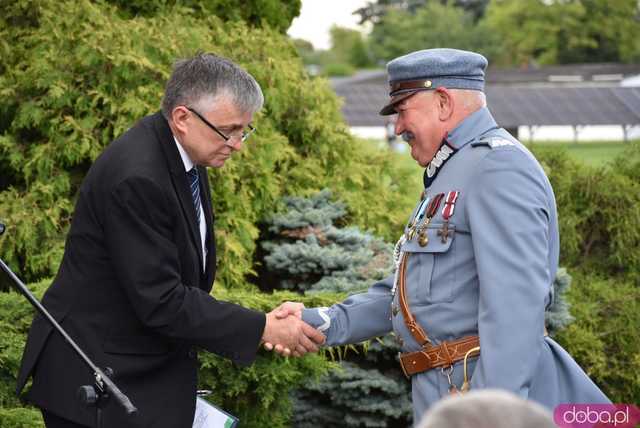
(286, 333)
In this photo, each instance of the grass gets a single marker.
(591, 153)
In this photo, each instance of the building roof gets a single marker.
(571, 74)
(588, 94)
(529, 106)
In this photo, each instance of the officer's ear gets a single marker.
(445, 103)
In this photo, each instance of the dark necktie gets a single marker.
(194, 185)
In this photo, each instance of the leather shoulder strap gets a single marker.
(414, 328)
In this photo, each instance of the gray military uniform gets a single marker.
(491, 277)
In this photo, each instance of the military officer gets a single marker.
(477, 259)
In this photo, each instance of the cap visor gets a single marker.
(390, 108)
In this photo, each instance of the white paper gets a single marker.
(209, 416)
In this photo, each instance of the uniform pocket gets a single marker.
(431, 268)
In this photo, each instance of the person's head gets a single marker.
(487, 408)
(209, 103)
(432, 91)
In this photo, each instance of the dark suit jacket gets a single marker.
(131, 291)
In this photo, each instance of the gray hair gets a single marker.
(206, 78)
(487, 408)
(471, 99)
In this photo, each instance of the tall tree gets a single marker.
(348, 46)
(570, 31)
(374, 11)
(431, 26)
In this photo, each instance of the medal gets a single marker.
(416, 219)
(423, 239)
(449, 206)
(432, 209)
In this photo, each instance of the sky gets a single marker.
(317, 17)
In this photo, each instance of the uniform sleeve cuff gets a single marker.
(317, 318)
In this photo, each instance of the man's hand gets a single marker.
(281, 312)
(289, 308)
(290, 333)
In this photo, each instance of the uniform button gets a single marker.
(395, 310)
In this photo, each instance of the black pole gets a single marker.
(103, 384)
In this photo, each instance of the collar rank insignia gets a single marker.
(443, 154)
(449, 206)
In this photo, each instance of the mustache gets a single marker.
(408, 136)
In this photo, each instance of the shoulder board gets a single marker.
(492, 142)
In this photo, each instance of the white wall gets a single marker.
(541, 133)
(376, 132)
(587, 133)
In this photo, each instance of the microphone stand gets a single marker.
(103, 387)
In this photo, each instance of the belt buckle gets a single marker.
(402, 366)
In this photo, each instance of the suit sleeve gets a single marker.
(138, 229)
(508, 212)
(359, 317)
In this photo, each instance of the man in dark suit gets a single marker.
(139, 263)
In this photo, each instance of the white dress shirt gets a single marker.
(188, 164)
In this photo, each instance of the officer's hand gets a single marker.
(289, 308)
(309, 342)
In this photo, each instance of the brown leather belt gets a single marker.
(430, 357)
(443, 355)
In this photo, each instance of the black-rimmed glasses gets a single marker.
(243, 136)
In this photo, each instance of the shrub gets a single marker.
(628, 163)
(21, 418)
(598, 213)
(76, 74)
(604, 338)
(276, 14)
(257, 395)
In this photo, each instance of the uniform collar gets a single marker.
(473, 126)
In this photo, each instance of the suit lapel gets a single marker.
(210, 242)
(179, 179)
